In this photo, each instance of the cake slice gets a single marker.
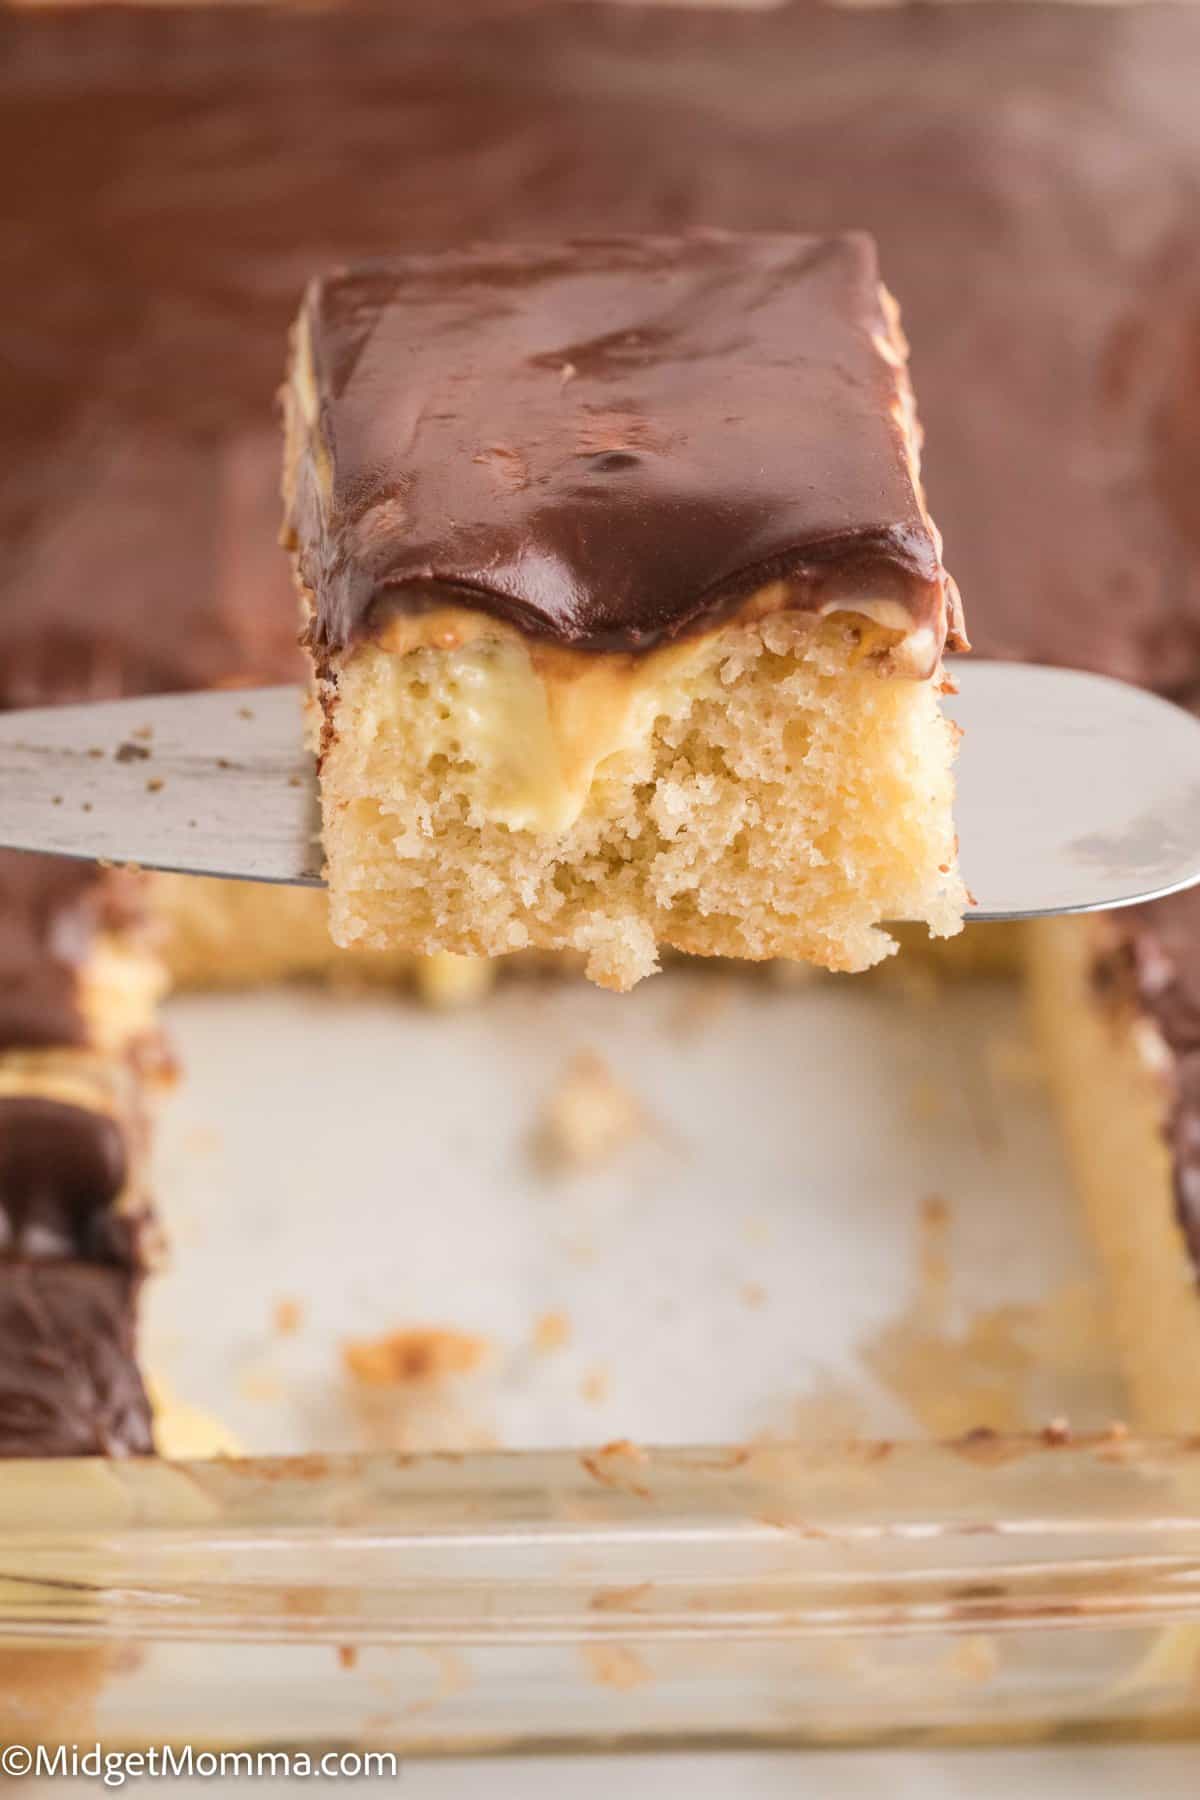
(625, 612)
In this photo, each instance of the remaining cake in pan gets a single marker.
(77, 1233)
(625, 610)
(69, 1381)
(1117, 1004)
(77, 957)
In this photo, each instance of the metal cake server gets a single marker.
(1075, 792)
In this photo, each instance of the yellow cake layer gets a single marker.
(767, 790)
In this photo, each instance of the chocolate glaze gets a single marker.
(611, 442)
(69, 1383)
(62, 1170)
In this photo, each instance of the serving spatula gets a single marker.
(1075, 792)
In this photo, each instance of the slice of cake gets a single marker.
(625, 611)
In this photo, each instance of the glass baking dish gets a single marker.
(822, 1574)
(839, 1240)
(991, 1588)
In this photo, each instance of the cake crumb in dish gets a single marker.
(551, 1331)
(413, 1355)
(616, 1665)
(417, 1390)
(595, 1386)
(287, 1316)
(588, 1117)
(609, 1466)
(261, 1385)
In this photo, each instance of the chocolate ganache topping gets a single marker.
(62, 1170)
(69, 1384)
(610, 442)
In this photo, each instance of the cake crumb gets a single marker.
(622, 1599)
(975, 1658)
(127, 753)
(588, 1117)
(262, 1385)
(287, 1316)
(413, 1355)
(614, 1665)
(599, 1464)
(551, 1331)
(417, 1390)
(155, 786)
(595, 1386)
(347, 1656)
(754, 1295)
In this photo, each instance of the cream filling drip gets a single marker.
(527, 735)
(529, 727)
